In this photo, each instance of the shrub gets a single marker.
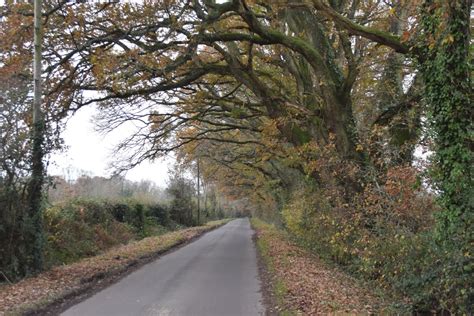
(81, 228)
(12, 215)
(119, 211)
(136, 218)
(84, 227)
(384, 234)
(160, 214)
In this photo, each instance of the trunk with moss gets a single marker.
(33, 223)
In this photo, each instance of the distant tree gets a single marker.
(14, 171)
(182, 192)
(114, 188)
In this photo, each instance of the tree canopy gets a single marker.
(272, 96)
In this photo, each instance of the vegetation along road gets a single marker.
(215, 275)
(343, 128)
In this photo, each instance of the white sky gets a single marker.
(91, 152)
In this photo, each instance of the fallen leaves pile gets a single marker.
(56, 283)
(305, 285)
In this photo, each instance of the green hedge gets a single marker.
(85, 227)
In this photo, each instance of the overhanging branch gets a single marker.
(375, 35)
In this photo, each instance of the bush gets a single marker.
(13, 257)
(160, 214)
(119, 211)
(81, 228)
(136, 217)
(385, 234)
(84, 227)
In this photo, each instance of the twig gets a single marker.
(5, 277)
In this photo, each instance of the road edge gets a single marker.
(266, 277)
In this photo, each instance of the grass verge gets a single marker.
(302, 284)
(278, 290)
(38, 294)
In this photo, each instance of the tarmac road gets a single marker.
(215, 275)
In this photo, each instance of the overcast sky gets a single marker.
(91, 152)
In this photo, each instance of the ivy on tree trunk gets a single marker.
(33, 229)
(446, 69)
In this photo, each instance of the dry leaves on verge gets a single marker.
(310, 287)
(55, 283)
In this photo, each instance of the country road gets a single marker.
(214, 275)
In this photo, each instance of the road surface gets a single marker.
(214, 275)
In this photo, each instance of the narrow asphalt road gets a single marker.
(215, 275)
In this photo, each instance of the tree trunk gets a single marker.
(446, 71)
(198, 193)
(33, 237)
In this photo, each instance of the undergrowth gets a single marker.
(384, 235)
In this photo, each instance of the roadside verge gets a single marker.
(50, 291)
(301, 284)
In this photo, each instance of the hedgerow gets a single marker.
(84, 227)
(385, 234)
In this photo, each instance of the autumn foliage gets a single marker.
(309, 114)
